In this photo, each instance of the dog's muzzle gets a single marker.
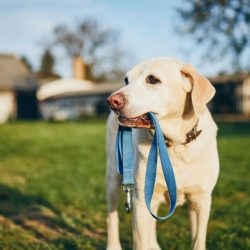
(141, 121)
(116, 101)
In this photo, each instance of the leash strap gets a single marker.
(124, 156)
(124, 165)
(159, 144)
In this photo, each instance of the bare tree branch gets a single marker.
(223, 25)
(98, 46)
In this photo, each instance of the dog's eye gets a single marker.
(126, 80)
(152, 79)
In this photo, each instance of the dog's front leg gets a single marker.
(199, 209)
(113, 191)
(144, 235)
(193, 220)
(153, 242)
(141, 225)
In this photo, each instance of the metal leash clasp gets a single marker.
(128, 188)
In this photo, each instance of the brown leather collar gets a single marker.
(190, 136)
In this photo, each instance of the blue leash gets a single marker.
(124, 156)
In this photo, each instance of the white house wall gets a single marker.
(69, 108)
(246, 97)
(7, 106)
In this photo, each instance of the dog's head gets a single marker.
(163, 86)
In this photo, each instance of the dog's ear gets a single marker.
(202, 90)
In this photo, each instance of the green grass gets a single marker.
(52, 190)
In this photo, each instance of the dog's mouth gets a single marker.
(141, 121)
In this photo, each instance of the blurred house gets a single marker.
(43, 78)
(74, 98)
(17, 90)
(232, 95)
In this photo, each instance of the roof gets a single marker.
(14, 74)
(74, 87)
(235, 78)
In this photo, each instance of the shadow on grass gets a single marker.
(42, 222)
(33, 213)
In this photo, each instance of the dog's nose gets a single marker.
(116, 101)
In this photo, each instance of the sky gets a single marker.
(147, 29)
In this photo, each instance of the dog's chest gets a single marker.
(187, 162)
(187, 168)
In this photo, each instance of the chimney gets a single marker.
(79, 69)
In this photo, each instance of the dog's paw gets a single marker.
(155, 246)
(114, 248)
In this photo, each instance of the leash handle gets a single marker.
(159, 143)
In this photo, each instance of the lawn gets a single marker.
(52, 190)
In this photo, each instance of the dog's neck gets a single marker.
(180, 130)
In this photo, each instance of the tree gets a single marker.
(221, 25)
(98, 46)
(47, 62)
(26, 62)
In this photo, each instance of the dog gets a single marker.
(178, 95)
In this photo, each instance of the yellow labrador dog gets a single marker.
(178, 95)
